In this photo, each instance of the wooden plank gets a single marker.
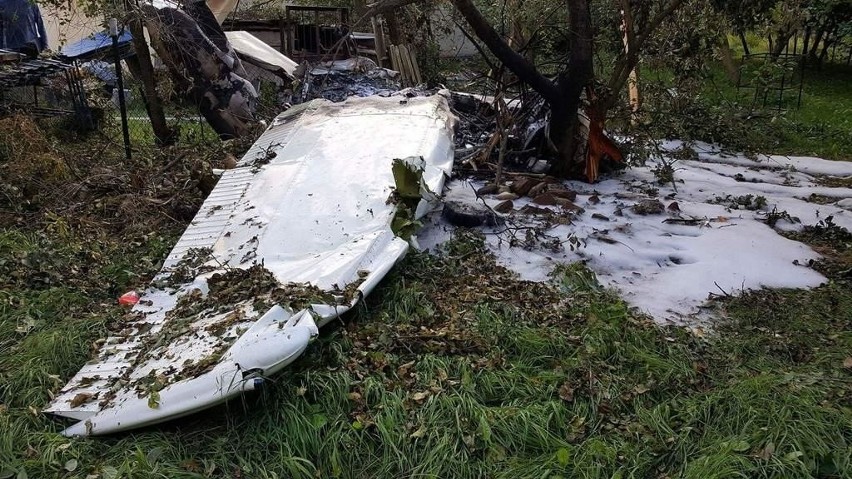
(415, 66)
(395, 63)
(404, 68)
(394, 57)
(406, 58)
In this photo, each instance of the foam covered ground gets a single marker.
(669, 269)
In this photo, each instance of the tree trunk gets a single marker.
(563, 136)
(782, 41)
(633, 78)
(153, 104)
(824, 52)
(830, 39)
(728, 59)
(812, 55)
(806, 40)
(744, 42)
(393, 27)
(626, 62)
(563, 127)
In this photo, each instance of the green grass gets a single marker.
(719, 112)
(438, 377)
(192, 129)
(821, 126)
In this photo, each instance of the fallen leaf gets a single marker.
(847, 363)
(402, 371)
(563, 455)
(418, 433)
(767, 451)
(28, 325)
(154, 400)
(566, 392)
(497, 454)
(81, 399)
(70, 465)
(420, 396)
(154, 455)
(191, 465)
(353, 396)
(301, 390)
(31, 452)
(484, 429)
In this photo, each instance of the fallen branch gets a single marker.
(722, 290)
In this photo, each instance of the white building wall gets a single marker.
(68, 25)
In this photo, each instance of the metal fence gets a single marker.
(84, 96)
(184, 118)
(773, 81)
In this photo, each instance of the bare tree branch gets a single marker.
(515, 62)
(475, 44)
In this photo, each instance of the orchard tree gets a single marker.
(563, 91)
(826, 24)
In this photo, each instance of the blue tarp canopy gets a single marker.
(96, 45)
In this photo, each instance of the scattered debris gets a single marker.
(504, 206)
(648, 207)
(668, 266)
(340, 79)
(129, 298)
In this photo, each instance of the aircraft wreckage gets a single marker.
(308, 223)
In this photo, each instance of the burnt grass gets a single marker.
(453, 367)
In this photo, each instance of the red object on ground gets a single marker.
(129, 298)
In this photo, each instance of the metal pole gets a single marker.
(781, 90)
(113, 31)
(801, 79)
